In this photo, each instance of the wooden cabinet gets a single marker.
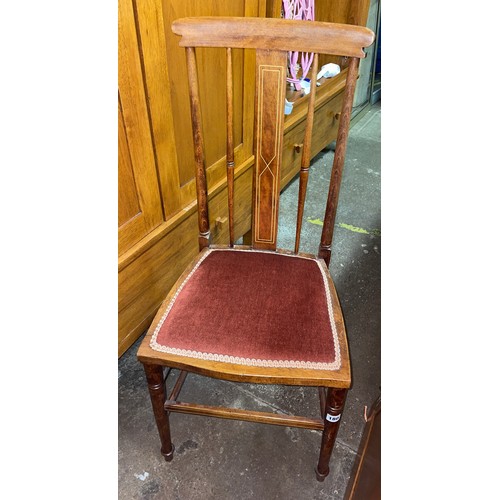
(326, 123)
(165, 76)
(365, 481)
(139, 204)
(329, 95)
(157, 199)
(157, 220)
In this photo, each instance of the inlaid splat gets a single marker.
(270, 102)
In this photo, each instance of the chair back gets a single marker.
(272, 40)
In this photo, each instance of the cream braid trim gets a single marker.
(224, 358)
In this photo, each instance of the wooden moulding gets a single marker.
(274, 34)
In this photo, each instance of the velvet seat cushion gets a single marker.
(252, 308)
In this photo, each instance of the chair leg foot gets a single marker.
(168, 456)
(321, 477)
(154, 376)
(335, 400)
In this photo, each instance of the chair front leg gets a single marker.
(335, 400)
(154, 376)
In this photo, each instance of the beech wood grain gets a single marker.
(230, 143)
(306, 153)
(136, 152)
(338, 163)
(274, 34)
(199, 154)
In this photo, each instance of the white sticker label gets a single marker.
(332, 418)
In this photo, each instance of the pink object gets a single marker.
(304, 10)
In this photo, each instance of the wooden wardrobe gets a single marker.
(157, 220)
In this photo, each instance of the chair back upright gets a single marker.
(272, 39)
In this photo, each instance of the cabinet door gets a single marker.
(166, 81)
(139, 201)
(156, 142)
(139, 209)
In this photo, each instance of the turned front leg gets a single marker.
(335, 400)
(154, 376)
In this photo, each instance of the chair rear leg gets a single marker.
(154, 376)
(335, 400)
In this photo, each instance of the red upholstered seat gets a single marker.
(253, 308)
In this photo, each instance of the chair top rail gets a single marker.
(274, 34)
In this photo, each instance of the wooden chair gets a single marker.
(278, 317)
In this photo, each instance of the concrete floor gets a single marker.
(224, 459)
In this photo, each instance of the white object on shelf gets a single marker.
(329, 70)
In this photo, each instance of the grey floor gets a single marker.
(224, 459)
